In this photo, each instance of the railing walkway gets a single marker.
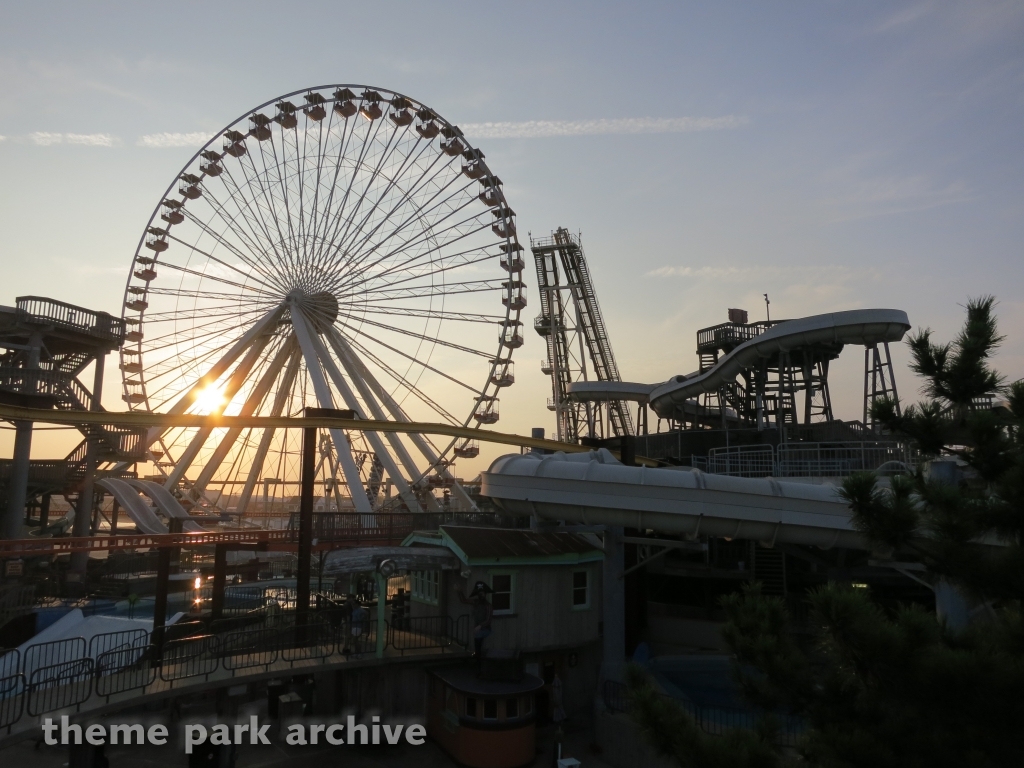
(126, 668)
(832, 459)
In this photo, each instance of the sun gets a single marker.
(210, 400)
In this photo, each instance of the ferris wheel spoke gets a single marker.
(254, 182)
(413, 188)
(462, 262)
(252, 213)
(392, 182)
(238, 250)
(422, 292)
(281, 398)
(321, 147)
(252, 402)
(336, 228)
(419, 216)
(421, 363)
(216, 278)
(430, 339)
(368, 184)
(249, 235)
(424, 238)
(267, 322)
(465, 317)
(323, 218)
(178, 315)
(282, 186)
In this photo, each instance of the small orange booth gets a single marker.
(484, 723)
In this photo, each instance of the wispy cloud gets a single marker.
(891, 195)
(46, 139)
(905, 16)
(748, 272)
(164, 140)
(542, 129)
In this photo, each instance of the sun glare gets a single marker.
(210, 400)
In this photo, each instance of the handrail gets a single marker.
(71, 316)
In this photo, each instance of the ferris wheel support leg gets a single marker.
(323, 395)
(371, 437)
(238, 377)
(358, 373)
(418, 440)
(252, 402)
(261, 326)
(280, 400)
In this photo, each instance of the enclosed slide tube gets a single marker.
(140, 512)
(596, 489)
(865, 327)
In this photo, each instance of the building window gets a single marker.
(512, 708)
(501, 597)
(426, 586)
(490, 709)
(580, 589)
(470, 707)
(528, 705)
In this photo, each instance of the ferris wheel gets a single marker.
(341, 247)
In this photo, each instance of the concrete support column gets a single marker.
(17, 490)
(614, 606)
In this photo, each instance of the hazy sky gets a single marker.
(832, 154)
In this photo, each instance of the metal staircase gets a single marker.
(769, 569)
(578, 347)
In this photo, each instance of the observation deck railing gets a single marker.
(99, 324)
(730, 335)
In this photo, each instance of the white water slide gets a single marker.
(865, 327)
(594, 488)
(141, 513)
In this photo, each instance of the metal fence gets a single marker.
(715, 721)
(63, 674)
(59, 686)
(837, 459)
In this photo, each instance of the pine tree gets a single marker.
(900, 688)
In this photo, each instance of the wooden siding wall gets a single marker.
(543, 615)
